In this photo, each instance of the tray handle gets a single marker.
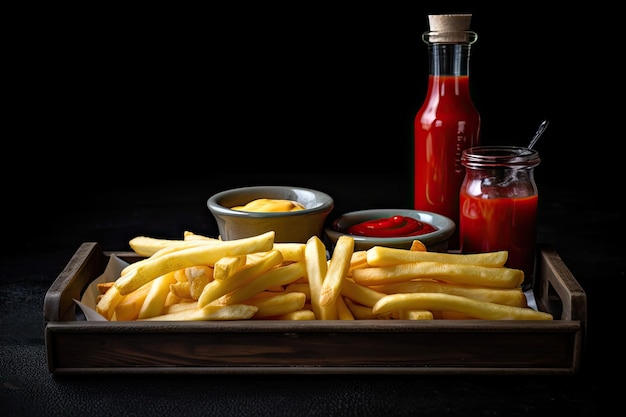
(557, 279)
(88, 262)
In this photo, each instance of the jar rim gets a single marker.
(500, 156)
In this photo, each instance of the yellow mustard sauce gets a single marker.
(270, 205)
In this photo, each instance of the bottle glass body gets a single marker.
(445, 125)
(498, 205)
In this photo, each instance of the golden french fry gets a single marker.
(277, 304)
(299, 287)
(359, 312)
(358, 260)
(181, 289)
(210, 312)
(206, 254)
(107, 303)
(360, 293)
(226, 266)
(104, 286)
(454, 315)
(385, 256)
(148, 246)
(316, 266)
(155, 299)
(292, 252)
(497, 277)
(184, 304)
(187, 235)
(343, 311)
(416, 315)
(263, 263)
(337, 270)
(507, 296)
(198, 277)
(279, 275)
(128, 308)
(448, 302)
(171, 299)
(295, 315)
(417, 245)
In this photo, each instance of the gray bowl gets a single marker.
(436, 241)
(293, 226)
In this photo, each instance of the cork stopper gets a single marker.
(450, 28)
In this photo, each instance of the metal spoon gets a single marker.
(542, 127)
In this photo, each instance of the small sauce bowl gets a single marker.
(436, 241)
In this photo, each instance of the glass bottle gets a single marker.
(498, 205)
(447, 122)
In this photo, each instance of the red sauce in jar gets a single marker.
(395, 226)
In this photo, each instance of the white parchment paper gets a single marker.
(88, 301)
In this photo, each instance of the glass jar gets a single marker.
(498, 205)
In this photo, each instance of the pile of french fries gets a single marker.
(202, 278)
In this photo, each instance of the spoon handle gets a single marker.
(542, 127)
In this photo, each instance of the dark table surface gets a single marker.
(580, 229)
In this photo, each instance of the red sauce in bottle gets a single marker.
(395, 226)
(446, 124)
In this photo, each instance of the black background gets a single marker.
(135, 97)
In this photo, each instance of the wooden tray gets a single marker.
(76, 346)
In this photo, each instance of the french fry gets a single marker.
(170, 299)
(155, 299)
(416, 315)
(359, 312)
(277, 304)
(128, 308)
(226, 266)
(417, 245)
(206, 254)
(292, 252)
(104, 286)
(299, 287)
(358, 260)
(187, 235)
(295, 315)
(198, 276)
(497, 277)
(279, 275)
(107, 303)
(385, 256)
(337, 270)
(181, 289)
(508, 296)
(360, 293)
(448, 302)
(148, 246)
(215, 289)
(184, 304)
(316, 266)
(343, 312)
(210, 312)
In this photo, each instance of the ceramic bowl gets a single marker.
(436, 241)
(292, 226)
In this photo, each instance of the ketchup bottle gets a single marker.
(447, 122)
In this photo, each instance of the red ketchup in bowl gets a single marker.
(395, 226)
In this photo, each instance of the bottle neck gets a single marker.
(450, 59)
